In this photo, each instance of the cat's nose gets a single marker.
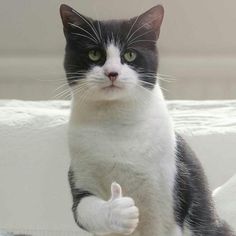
(112, 76)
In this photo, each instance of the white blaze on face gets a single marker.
(113, 61)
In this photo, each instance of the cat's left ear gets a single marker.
(151, 19)
(71, 17)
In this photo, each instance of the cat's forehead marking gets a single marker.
(113, 62)
(112, 51)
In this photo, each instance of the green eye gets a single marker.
(94, 55)
(130, 56)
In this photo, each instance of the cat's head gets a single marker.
(110, 60)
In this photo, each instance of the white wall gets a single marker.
(197, 45)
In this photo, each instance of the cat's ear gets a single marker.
(151, 19)
(71, 17)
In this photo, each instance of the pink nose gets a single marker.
(112, 76)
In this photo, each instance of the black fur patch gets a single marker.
(77, 195)
(193, 202)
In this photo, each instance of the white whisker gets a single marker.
(51, 80)
(128, 35)
(85, 36)
(144, 40)
(61, 94)
(166, 76)
(139, 36)
(61, 86)
(147, 23)
(99, 30)
(89, 23)
(84, 31)
(76, 73)
(84, 92)
(136, 31)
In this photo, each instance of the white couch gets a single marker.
(34, 193)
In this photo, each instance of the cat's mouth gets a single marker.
(111, 87)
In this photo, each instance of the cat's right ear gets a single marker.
(70, 17)
(151, 19)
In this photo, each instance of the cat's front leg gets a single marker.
(119, 215)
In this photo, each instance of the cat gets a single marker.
(130, 172)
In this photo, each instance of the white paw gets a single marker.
(123, 215)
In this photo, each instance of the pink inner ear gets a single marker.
(69, 15)
(66, 14)
(153, 18)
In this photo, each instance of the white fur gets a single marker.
(123, 135)
(187, 231)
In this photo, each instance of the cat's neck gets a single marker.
(121, 111)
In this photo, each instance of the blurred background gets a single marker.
(197, 46)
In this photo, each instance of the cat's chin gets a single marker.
(112, 88)
(110, 93)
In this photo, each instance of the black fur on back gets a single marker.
(194, 206)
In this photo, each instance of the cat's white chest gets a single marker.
(139, 154)
(124, 144)
(126, 153)
(133, 158)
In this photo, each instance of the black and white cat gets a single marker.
(130, 172)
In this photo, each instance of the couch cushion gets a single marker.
(35, 196)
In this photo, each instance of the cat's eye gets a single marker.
(94, 55)
(130, 56)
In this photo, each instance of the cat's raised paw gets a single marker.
(123, 215)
